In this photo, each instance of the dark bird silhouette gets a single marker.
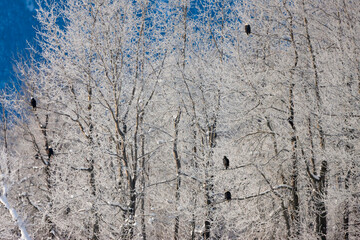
(33, 103)
(67, 210)
(291, 122)
(226, 162)
(49, 151)
(228, 196)
(247, 29)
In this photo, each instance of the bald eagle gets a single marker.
(228, 196)
(67, 210)
(247, 29)
(33, 103)
(49, 151)
(291, 122)
(226, 162)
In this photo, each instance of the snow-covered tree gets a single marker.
(138, 102)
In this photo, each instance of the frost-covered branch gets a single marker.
(4, 200)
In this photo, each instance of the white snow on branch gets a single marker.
(3, 199)
(13, 213)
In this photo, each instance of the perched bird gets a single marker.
(226, 162)
(247, 29)
(291, 122)
(49, 151)
(33, 103)
(228, 196)
(67, 211)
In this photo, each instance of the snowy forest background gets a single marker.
(141, 100)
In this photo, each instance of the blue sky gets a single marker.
(17, 28)
(17, 24)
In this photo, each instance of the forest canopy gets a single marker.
(218, 119)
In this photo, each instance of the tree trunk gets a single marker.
(346, 209)
(94, 210)
(291, 121)
(294, 177)
(320, 194)
(178, 172)
(321, 221)
(44, 129)
(209, 189)
(319, 187)
(193, 192)
(285, 211)
(143, 167)
(209, 182)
